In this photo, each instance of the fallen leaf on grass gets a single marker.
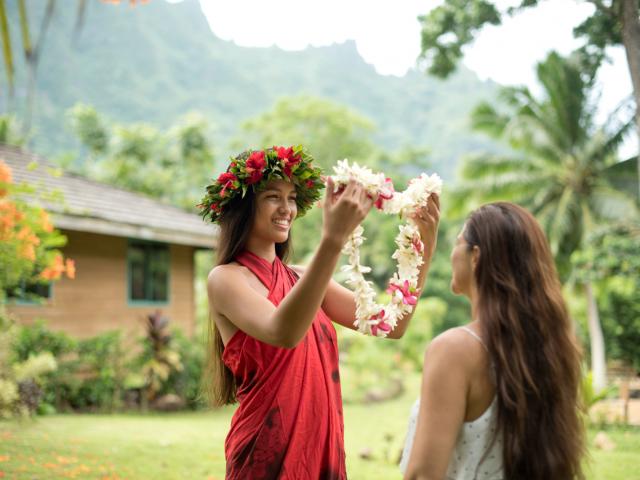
(4, 458)
(81, 469)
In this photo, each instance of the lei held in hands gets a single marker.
(372, 317)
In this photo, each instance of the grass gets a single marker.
(190, 445)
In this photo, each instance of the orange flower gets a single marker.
(45, 222)
(49, 274)
(25, 234)
(29, 241)
(28, 251)
(5, 177)
(7, 215)
(55, 270)
(70, 266)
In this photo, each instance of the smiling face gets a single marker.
(463, 260)
(275, 211)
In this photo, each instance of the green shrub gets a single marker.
(21, 382)
(187, 381)
(100, 366)
(39, 338)
(90, 371)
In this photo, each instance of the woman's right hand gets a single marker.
(344, 210)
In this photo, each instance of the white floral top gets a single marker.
(474, 457)
(477, 454)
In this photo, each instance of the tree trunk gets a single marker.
(630, 21)
(598, 358)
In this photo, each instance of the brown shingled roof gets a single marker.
(91, 206)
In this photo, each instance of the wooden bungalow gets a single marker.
(133, 254)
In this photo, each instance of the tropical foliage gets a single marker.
(560, 164)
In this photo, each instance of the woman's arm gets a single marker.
(445, 383)
(231, 297)
(340, 303)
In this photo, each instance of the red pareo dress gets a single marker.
(289, 422)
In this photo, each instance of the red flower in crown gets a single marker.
(227, 180)
(289, 160)
(284, 153)
(255, 167)
(226, 177)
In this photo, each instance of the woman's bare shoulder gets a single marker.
(456, 345)
(220, 275)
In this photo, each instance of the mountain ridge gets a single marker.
(156, 62)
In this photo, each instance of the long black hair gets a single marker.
(236, 223)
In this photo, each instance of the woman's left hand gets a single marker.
(427, 219)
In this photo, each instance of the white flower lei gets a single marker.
(371, 317)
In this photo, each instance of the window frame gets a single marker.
(42, 302)
(144, 303)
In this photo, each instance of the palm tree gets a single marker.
(561, 165)
(31, 51)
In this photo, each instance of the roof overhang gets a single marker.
(106, 227)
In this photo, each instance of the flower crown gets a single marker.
(254, 169)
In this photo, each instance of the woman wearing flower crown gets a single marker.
(273, 343)
(500, 396)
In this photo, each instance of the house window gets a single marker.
(30, 293)
(148, 272)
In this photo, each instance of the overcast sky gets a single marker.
(387, 35)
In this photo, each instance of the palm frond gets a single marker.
(566, 94)
(561, 215)
(24, 29)
(623, 176)
(6, 45)
(458, 203)
(610, 204)
(512, 186)
(544, 197)
(533, 125)
(482, 165)
(617, 135)
(486, 119)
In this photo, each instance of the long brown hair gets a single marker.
(531, 343)
(235, 228)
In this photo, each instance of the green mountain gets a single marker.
(155, 62)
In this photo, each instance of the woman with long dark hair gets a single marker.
(500, 396)
(273, 345)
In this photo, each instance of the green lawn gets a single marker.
(190, 445)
